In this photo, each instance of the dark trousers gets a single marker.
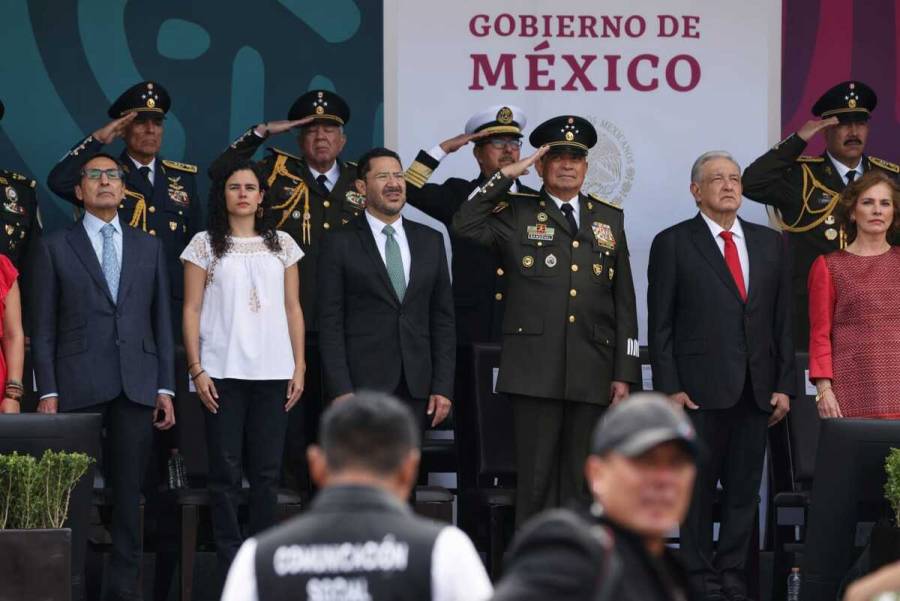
(251, 422)
(128, 431)
(303, 422)
(735, 441)
(553, 437)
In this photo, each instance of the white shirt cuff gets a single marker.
(47, 396)
(166, 391)
(437, 153)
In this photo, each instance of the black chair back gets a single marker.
(803, 428)
(493, 418)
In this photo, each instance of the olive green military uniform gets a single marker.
(569, 330)
(805, 192)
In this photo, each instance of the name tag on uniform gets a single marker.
(541, 232)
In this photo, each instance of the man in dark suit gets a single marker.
(479, 282)
(721, 346)
(103, 344)
(386, 309)
(805, 189)
(570, 330)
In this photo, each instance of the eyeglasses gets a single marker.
(98, 173)
(500, 143)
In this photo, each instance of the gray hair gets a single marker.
(707, 157)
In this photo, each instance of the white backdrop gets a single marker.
(658, 96)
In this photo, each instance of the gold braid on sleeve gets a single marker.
(810, 185)
(300, 192)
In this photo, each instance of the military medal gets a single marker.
(598, 269)
(356, 199)
(527, 261)
(829, 220)
(550, 261)
(10, 230)
(603, 235)
(541, 232)
(296, 215)
(177, 192)
(610, 271)
(542, 217)
(12, 201)
(173, 226)
(831, 233)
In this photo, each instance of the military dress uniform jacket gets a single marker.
(571, 324)
(479, 282)
(303, 212)
(805, 190)
(21, 231)
(168, 209)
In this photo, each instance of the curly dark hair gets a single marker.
(219, 229)
(854, 191)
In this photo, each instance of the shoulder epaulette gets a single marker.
(527, 194)
(19, 177)
(805, 158)
(884, 164)
(180, 166)
(599, 198)
(287, 154)
(351, 163)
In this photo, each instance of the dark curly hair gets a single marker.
(854, 191)
(219, 229)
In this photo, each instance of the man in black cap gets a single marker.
(21, 231)
(570, 331)
(312, 194)
(805, 189)
(160, 195)
(359, 539)
(479, 287)
(641, 470)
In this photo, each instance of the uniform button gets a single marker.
(575, 243)
(152, 209)
(122, 205)
(571, 319)
(573, 292)
(181, 212)
(540, 243)
(499, 271)
(152, 232)
(519, 330)
(574, 267)
(498, 296)
(326, 226)
(326, 204)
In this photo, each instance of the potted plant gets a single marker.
(885, 541)
(34, 503)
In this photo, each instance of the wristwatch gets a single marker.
(821, 395)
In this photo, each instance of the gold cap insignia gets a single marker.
(320, 109)
(151, 103)
(570, 136)
(505, 115)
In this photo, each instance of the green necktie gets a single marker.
(394, 262)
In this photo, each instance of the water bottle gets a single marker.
(793, 585)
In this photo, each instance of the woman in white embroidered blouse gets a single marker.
(243, 333)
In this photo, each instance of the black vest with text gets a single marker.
(356, 543)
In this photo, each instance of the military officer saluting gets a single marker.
(570, 330)
(313, 192)
(479, 285)
(160, 195)
(805, 189)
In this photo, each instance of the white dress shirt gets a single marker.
(739, 241)
(152, 166)
(457, 573)
(843, 169)
(331, 176)
(381, 241)
(93, 225)
(574, 204)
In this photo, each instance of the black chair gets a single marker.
(487, 466)
(794, 444)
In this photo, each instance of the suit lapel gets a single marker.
(81, 245)
(130, 261)
(368, 243)
(343, 183)
(416, 249)
(754, 255)
(703, 240)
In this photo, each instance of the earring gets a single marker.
(259, 211)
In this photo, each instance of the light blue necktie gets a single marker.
(110, 262)
(394, 262)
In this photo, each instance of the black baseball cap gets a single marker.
(641, 422)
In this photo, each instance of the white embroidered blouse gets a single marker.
(243, 322)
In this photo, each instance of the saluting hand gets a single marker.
(814, 126)
(520, 168)
(456, 142)
(114, 129)
(272, 128)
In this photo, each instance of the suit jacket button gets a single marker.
(499, 271)
(571, 319)
(326, 204)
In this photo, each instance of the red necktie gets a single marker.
(734, 263)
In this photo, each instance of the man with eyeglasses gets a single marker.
(311, 194)
(103, 344)
(479, 285)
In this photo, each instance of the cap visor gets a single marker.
(645, 440)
